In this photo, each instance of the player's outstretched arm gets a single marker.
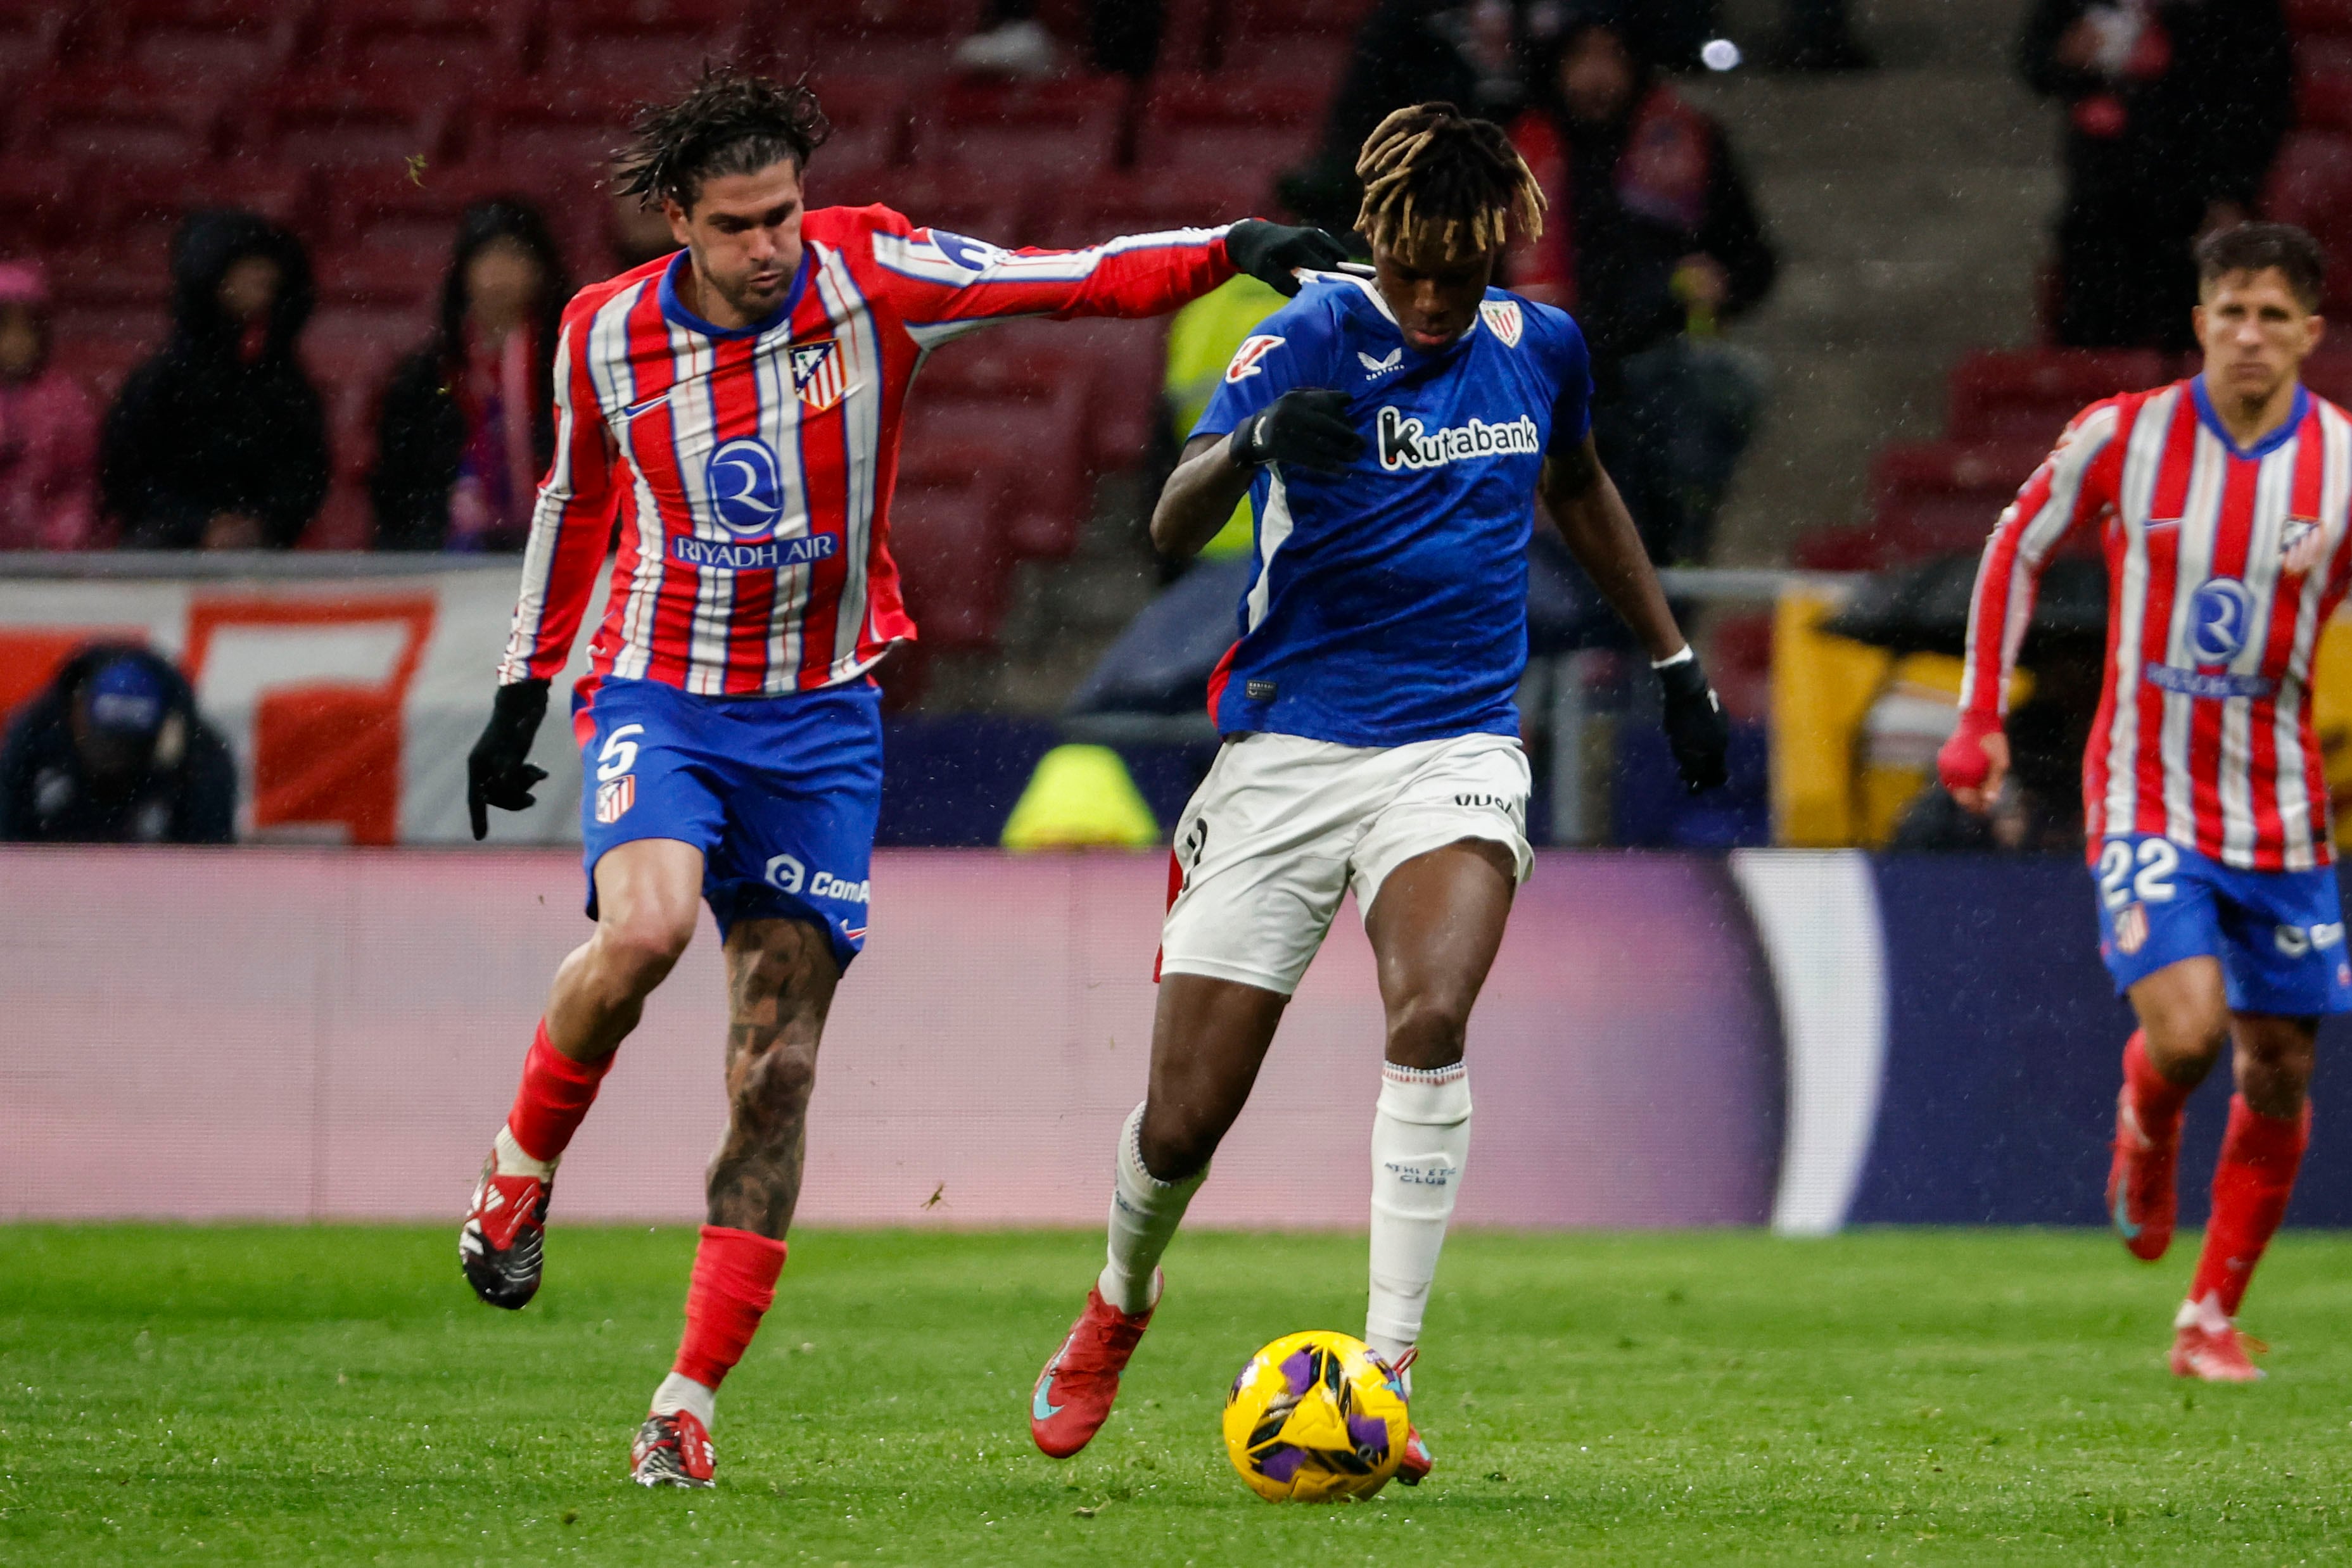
(1591, 517)
(1306, 426)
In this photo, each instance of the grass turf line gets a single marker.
(334, 1395)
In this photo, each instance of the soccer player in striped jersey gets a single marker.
(2220, 503)
(1393, 427)
(732, 411)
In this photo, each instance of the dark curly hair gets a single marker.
(733, 122)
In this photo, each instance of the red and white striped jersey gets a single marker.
(749, 471)
(2223, 567)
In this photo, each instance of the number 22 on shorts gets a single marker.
(2157, 860)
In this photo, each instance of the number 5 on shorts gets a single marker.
(620, 753)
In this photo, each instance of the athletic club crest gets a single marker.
(818, 375)
(2302, 544)
(1502, 317)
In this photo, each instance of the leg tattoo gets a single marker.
(781, 976)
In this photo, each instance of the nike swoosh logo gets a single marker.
(635, 409)
(2130, 1231)
(1038, 1407)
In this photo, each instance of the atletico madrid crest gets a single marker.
(818, 375)
(615, 799)
(2131, 928)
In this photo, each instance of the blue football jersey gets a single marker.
(1387, 604)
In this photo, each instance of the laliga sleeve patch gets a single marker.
(1503, 319)
(1246, 357)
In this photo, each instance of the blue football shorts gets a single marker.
(780, 794)
(2279, 934)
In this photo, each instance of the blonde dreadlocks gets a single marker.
(1439, 184)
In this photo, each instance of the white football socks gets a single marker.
(679, 1392)
(1144, 1214)
(512, 1160)
(1421, 1138)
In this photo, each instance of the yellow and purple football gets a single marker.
(1315, 1418)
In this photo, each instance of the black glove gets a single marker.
(498, 771)
(1695, 724)
(1268, 251)
(1306, 427)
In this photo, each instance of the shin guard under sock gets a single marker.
(551, 1100)
(2155, 1100)
(2252, 1183)
(734, 1284)
(1144, 1214)
(1421, 1141)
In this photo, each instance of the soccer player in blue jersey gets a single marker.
(1393, 430)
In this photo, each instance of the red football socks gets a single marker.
(734, 1284)
(2252, 1183)
(2156, 1099)
(555, 1095)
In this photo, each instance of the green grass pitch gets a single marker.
(335, 1396)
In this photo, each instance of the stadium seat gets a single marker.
(399, 281)
(2028, 395)
(32, 39)
(664, 43)
(871, 126)
(385, 209)
(1063, 128)
(902, 37)
(100, 349)
(2328, 372)
(146, 206)
(2319, 16)
(1245, 129)
(2323, 87)
(992, 398)
(1092, 211)
(121, 116)
(110, 278)
(340, 125)
(1739, 663)
(980, 204)
(951, 552)
(538, 134)
(2311, 184)
(240, 41)
(434, 46)
(51, 204)
(1308, 37)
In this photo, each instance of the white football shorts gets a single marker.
(1283, 827)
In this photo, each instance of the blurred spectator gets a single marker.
(468, 424)
(1465, 52)
(48, 427)
(114, 751)
(220, 441)
(1652, 241)
(1124, 38)
(1201, 338)
(2174, 111)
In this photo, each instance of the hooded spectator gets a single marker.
(2173, 111)
(114, 751)
(1652, 241)
(220, 441)
(48, 427)
(467, 425)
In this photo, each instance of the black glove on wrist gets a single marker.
(1306, 427)
(1696, 727)
(498, 771)
(1268, 251)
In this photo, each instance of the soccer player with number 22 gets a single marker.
(734, 408)
(1394, 426)
(2221, 501)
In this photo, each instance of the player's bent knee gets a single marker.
(640, 950)
(1428, 1031)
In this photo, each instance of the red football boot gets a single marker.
(1075, 1391)
(673, 1450)
(2215, 1355)
(2141, 1197)
(1415, 1462)
(501, 1245)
